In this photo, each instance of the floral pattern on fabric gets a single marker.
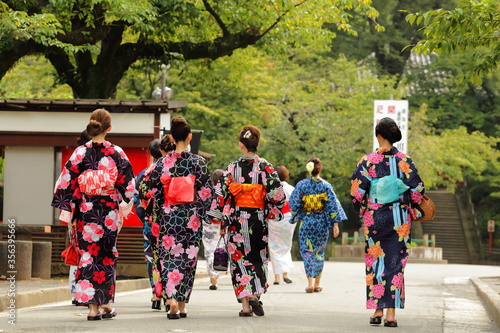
(96, 216)
(247, 227)
(314, 227)
(177, 228)
(387, 226)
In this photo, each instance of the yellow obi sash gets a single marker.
(248, 195)
(314, 203)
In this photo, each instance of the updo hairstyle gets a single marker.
(83, 139)
(167, 143)
(216, 176)
(315, 167)
(100, 121)
(154, 148)
(250, 137)
(282, 172)
(179, 128)
(388, 129)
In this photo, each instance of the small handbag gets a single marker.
(221, 256)
(71, 254)
(428, 209)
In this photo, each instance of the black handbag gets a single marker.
(221, 256)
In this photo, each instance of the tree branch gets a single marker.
(17, 51)
(65, 69)
(225, 31)
(219, 47)
(281, 16)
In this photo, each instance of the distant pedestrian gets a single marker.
(250, 194)
(281, 234)
(316, 209)
(145, 209)
(211, 236)
(99, 179)
(144, 212)
(386, 190)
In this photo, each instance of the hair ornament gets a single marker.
(310, 167)
(247, 134)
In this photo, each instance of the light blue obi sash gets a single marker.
(387, 189)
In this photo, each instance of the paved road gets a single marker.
(440, 298)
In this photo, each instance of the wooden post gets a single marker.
(345, 241)
(426, 240)
(433, 240)
(356, 238)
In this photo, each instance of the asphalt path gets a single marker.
(440, 298)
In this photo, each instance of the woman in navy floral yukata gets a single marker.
(317, 210)
(250, 193)
(182, 191)
(386, 191)
(95, 190)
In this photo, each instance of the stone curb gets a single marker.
(59, 294)
(490, 298)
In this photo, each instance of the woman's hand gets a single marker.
(335, 230)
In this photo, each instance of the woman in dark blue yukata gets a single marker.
(386, 191)
(316, 208)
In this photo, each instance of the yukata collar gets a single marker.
(104, 143)
(250, 159)
(390, 151)
(181, 154)
(316, 179)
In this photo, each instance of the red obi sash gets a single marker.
(248, 195)
(286, 208)
(178, 190)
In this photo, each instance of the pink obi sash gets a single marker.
(178, 190)
(98, 182)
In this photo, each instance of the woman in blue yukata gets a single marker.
(144, 205)
(316, 208)
(96, 189)
(249, 195)
(386, 191)
(182, 191)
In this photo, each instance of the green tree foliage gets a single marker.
(312, 104)
(224, 95)
(452, 104)
(91, 44)
(33, 77)
(384, 51)
(456, 154)
(472, 25)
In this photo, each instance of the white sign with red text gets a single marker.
(397, 110)
(491, 225)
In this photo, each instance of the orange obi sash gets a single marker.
(248, 195)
